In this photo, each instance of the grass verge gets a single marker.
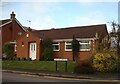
(38, 65)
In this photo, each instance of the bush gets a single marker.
(29, 59)
(8, 50)
(48, 52)
(47, 49)
(18, 59)
(23, 59)
(118, 66)
(83, 68)
(105, 62)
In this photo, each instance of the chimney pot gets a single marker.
(12, 16)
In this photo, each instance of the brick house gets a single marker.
(29, 44)
(10, 30)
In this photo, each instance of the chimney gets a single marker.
(96, 35)
(12, 16)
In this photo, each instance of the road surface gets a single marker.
(13, 77)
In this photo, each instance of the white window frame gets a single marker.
(15, 48)
(58, 46)
(83, 44)
(66, 45)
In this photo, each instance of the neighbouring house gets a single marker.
(10, 30)
(114, 39)
(29, 44)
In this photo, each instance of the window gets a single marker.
(68, 46)
(15, 47)
(32, 47)
(84, 45)
(56, 46)
(20, 33)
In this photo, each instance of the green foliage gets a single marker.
(83, 68)
(47, 42)
(8, 50)
(37, 65)
(48, 52)
(47, 49)
(75, 48)
(105, 62)
(102, 43)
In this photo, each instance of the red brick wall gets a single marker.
(6, 33)
(24, 51)
(83, 55)
(16, 28)
(10, 32)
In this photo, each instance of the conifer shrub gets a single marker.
(8, 50)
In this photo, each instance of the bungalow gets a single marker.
(29, 44)
(10, 30)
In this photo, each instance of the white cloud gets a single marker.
(45, 22)
(92, 18)
(60, 0)
(37, 13)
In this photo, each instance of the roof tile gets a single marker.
(67, 33)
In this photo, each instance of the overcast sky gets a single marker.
(59, 14)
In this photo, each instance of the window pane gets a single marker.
(55, 47)
(31, 47)
(84, 41)
(68, 46)
(70, 43)
(34, 47)
(84, 46)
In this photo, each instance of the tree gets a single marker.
(116, 34)
(47, 49)
(75, 48)
(102, 43)
(118, 40)
(8, 50)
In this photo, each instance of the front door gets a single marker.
(32, 51)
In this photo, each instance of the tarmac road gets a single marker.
(13, 77)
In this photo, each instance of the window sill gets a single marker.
(68, 50)
(85, 50)
(56, 50)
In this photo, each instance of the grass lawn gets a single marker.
(38, 65)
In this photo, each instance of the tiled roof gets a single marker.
(67, 33)
(4, 21)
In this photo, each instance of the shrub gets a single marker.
(18, 59)
(23, 59)
(47, 49)
(8, 50)
(118, 66)
(84, 68)
(48, 53)
(104, 62)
